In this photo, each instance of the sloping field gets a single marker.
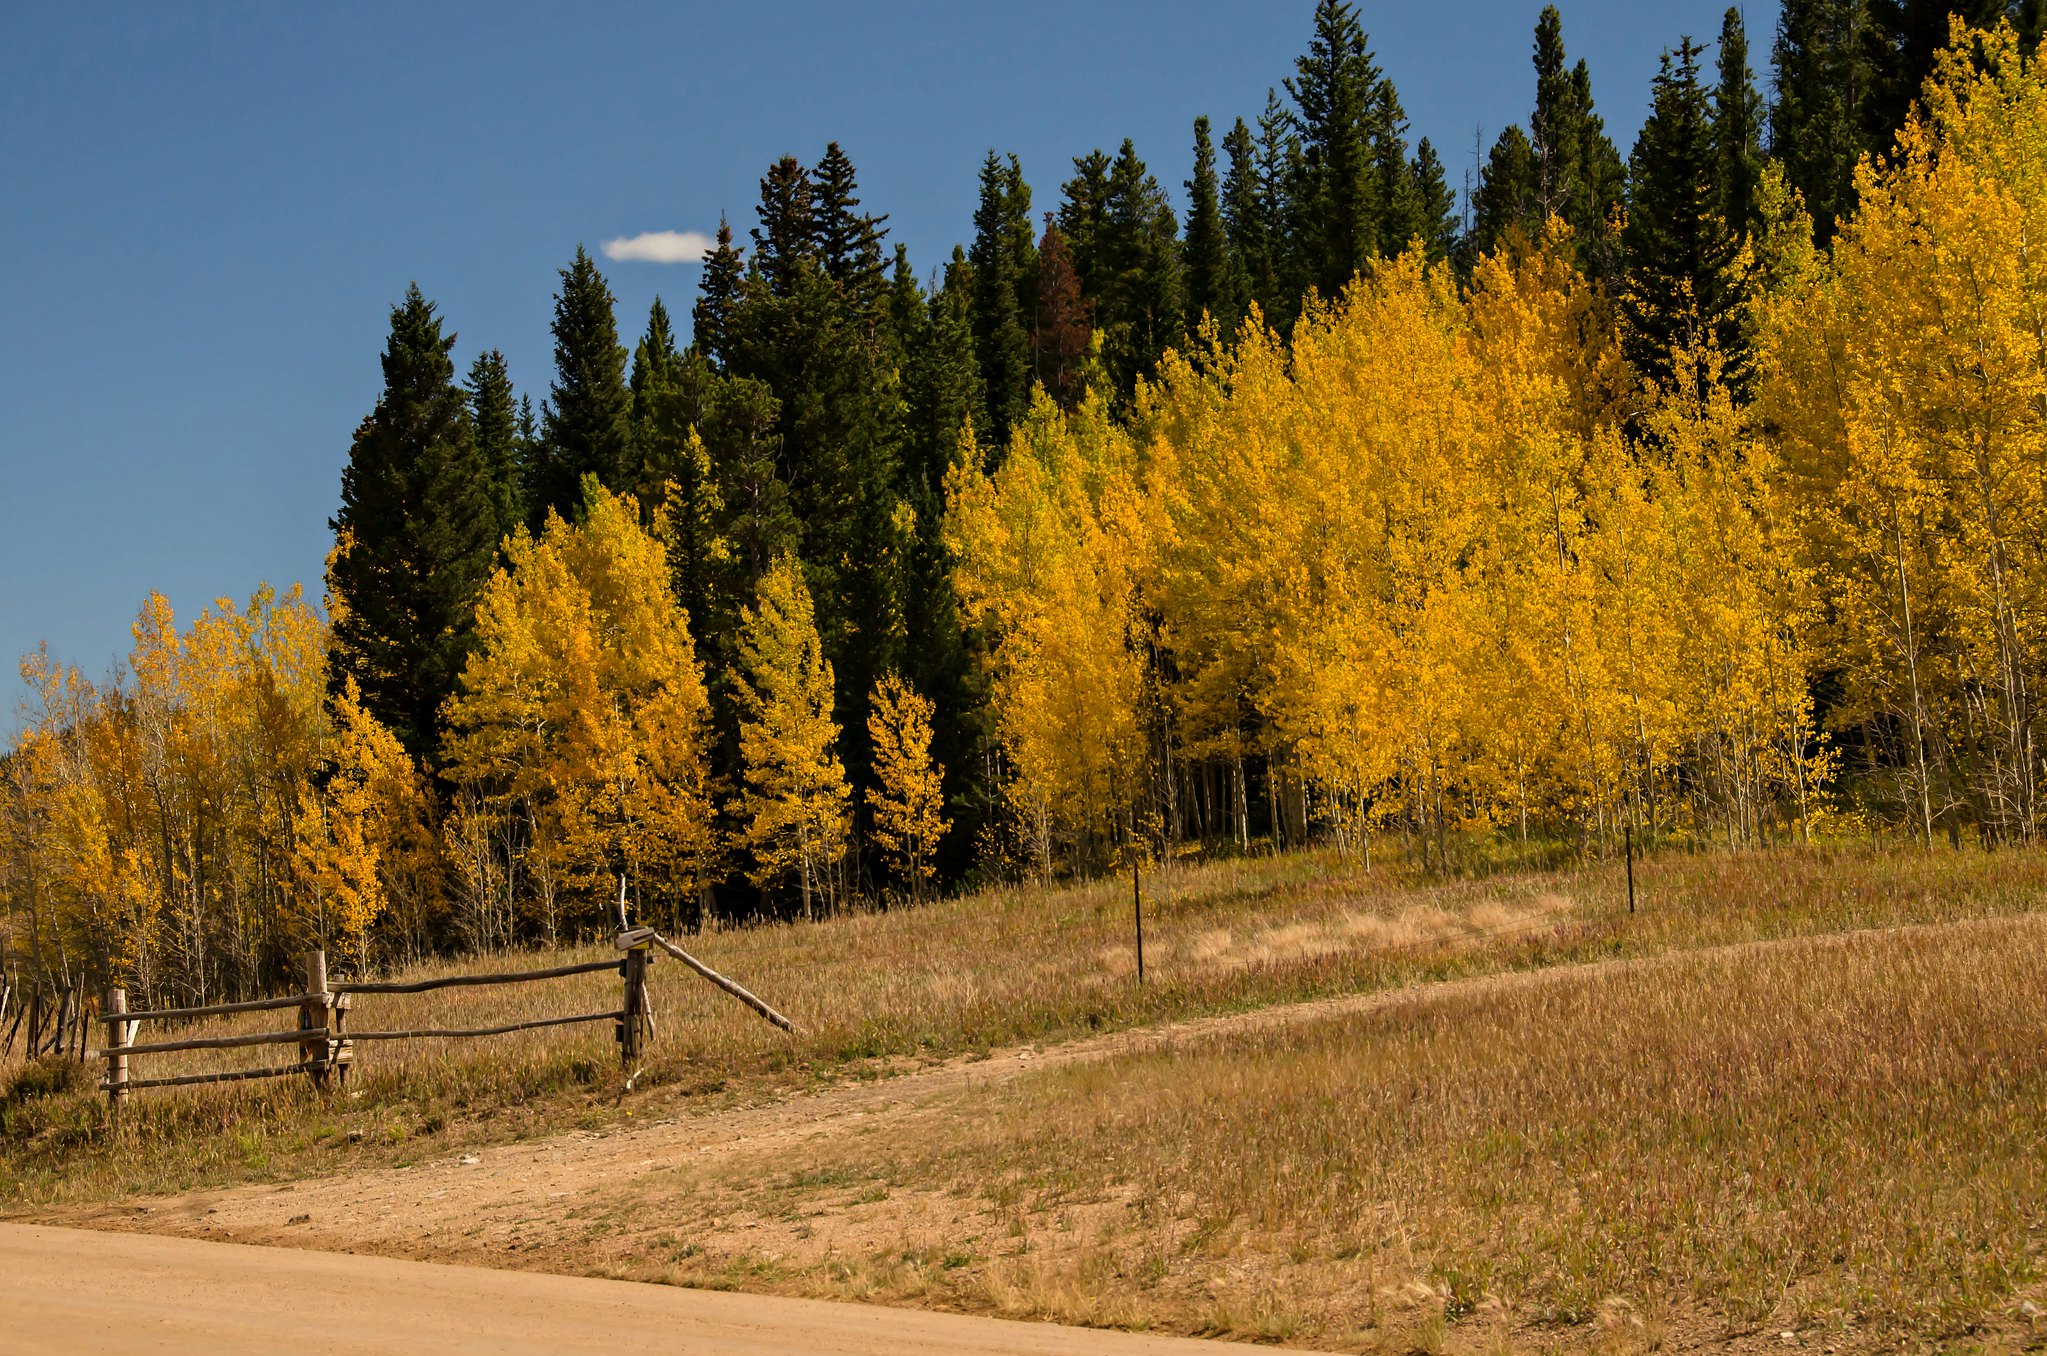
(1834, 1137)
(1796, 1092)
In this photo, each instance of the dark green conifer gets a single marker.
(1135, 287)
(786, 237)
(1901, 38)
(1335, 89)
(1215, 283)
(588, 419)
(654, 357)
(495, 420)
(1401, 209)
(1290, 231)
(655, 363)
(718, 295)
(1437, 204)
(1578, 176)
(1816, 123)
(1604, 180)
(1247, 220)
(1555, 129)
(849, 240)
(1678, 291)
(416, 535)
(1004, 289)
(1737, 128)
(1509, 194)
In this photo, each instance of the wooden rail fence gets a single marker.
(326, 1045)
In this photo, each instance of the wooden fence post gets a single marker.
(1137, 908)
(633, 1013)
(120, 1035)
(315, 1015)
(1629, 848)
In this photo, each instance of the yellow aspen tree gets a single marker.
(372, 793)
(582, 724)
(908, 798)
(1909, 379)
(794, 799)
(1051, 548)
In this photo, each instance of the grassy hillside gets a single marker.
(1839, 1139)
(1833, 1133)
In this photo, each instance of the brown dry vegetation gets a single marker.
(1841, 1140)
(1834, 1135)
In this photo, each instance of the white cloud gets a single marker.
(661, 247)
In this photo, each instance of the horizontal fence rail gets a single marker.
(326, 1046)
(216, 1010)
(456, 981)
(486, 1030)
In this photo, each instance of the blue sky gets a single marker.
(210, 208)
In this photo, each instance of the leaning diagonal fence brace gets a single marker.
(628, 940)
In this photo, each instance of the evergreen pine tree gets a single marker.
(528, 458)
(654, 359)
(786, 237)
(1737, 128)
(1900, 40)
(1604, 178)
(1509, 194)
(1003, 280)
(1083, 210)
(941, 389)
(1678, 246)
(1335, 88)
(1577, 174)
(1555, 128)
(495, 421)
(718, 295)
(1284, 195)
(1135, 285)
(415, 536)
(1215, 283)
(1247, 220)
(848, 240)
(1437, 204)
(1817, 120)
(1401, 208)
(654, 365)
(823, 350)
(588, 420)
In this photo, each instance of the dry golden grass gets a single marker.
(1838, 1139)
(876, 993)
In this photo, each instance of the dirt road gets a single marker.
(70, 1291)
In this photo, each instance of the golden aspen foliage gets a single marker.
(908, 798)
(371, 811)
(1908, 381)
(581, 728)
(175, 830)
(794, 800)
(1050, 548)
